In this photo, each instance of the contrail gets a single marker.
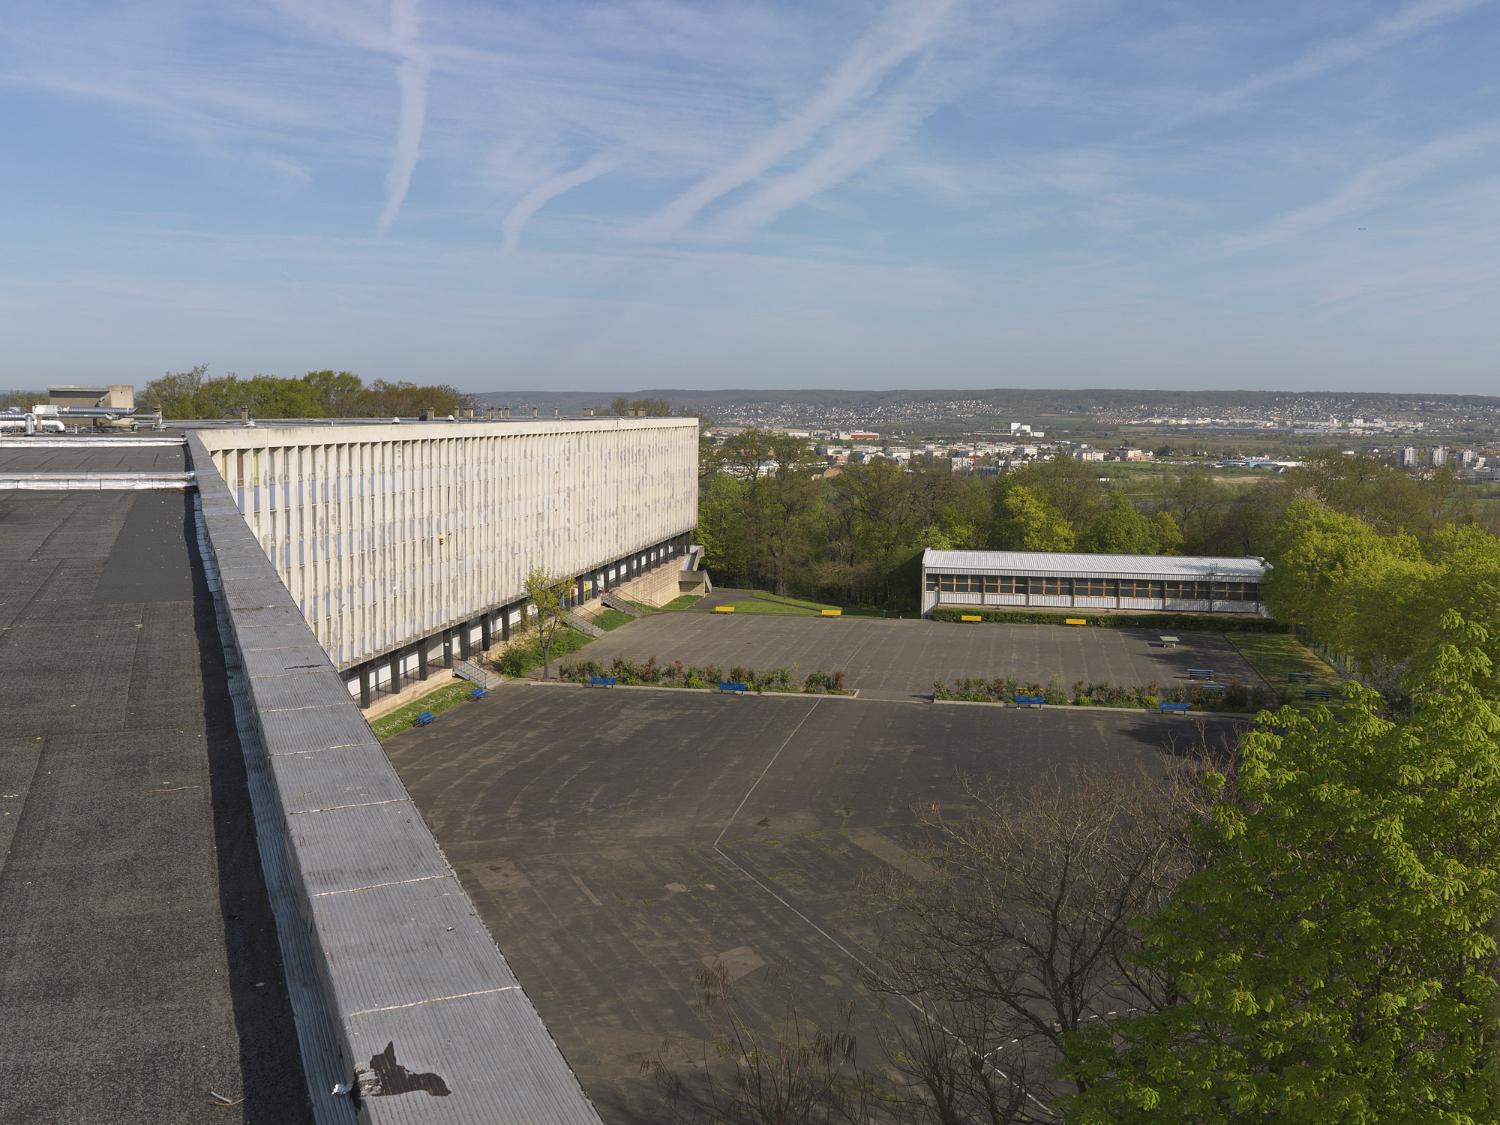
(411, 78)
(538, 197)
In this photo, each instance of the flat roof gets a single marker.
(80, 455)
(140, 973)
(1060, 563)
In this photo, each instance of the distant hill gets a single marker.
(945, 405)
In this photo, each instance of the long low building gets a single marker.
(408, 544)
(1043, 579)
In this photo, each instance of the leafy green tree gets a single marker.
(1120, 529)
(547, 594)
(337, 392)
(728, 541)
(1335, 957)
(647, 407)
(175, 394)
(1024, 521)
(780, 500)
(1347, 583)
(1169, 537)
(1070, 487)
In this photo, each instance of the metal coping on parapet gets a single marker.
(410, 975)
(147, 481)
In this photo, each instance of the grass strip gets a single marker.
(402, 718)
(1274, 655)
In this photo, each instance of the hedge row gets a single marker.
(678, 674)
(1196, 622)
(1236, 696)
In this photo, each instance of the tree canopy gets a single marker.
(318, 394)
(1335, 955)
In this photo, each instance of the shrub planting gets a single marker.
(676, 674)
(1235, 696)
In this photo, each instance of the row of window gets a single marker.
(1093, 587)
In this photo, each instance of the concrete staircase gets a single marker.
(583, 624)
(468, 670)
(614, 601)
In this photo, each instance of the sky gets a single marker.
(639, 193)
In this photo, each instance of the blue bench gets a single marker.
(1031, 700)
(425, 718)
(1204, 685)
(1299, 677)
(1172, 708)
(733, 687)
(478, 693)
(1317, 693)
(602, 681)
(1200, 673)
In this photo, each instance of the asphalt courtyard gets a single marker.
(618, 842)
(902, 659)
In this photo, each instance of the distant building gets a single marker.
(1087, 454)
(1128, 454)
(1439, 456)
(110, 396)
(1409, 457)
(1043, 579)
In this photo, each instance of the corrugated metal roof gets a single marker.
(1064, 565)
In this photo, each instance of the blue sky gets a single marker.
(614, 195)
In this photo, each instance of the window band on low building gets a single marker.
(1127, 582)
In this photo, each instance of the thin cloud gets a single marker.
(412, 74)
(906, 29)
(853, 146)
(538, 197)
(1368, 189)
(1371, 40)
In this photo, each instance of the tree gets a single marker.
(646, 407)
(780, 499)
(1335, 958)
(1019, 932)
(337, 392)
(728, 547)
(1071, 487)
(1338, 576)
(1168, 535)
(1120, 529)
(548, 596)
(175, 394)
(1024, 521)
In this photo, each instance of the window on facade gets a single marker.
(1093, 587)
(1052, 586)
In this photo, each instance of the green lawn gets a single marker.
(800, 603)
(608, 619)
(682, 601)
(1273, 655)
(444, 698)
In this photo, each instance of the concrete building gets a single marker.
(405, 545)
(111, 396)
(1439, 456)
(1038, 579)
(1409, 457)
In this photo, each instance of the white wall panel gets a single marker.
(387, 533)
